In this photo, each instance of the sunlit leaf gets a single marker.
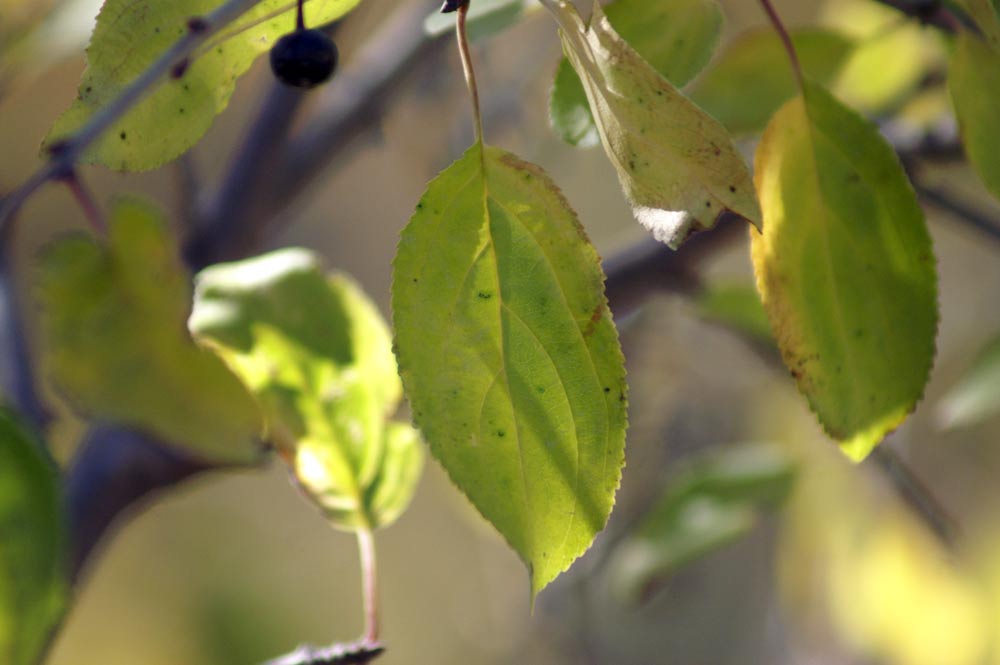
(32, 573)
(976, 396)
(677, 165)
(486, 17)
(845, 268)
(318, 356)
(131, 34)
(509, 355)
(751, 79)
(715, 500)
(676, 37)
(738, 307)
(113, 318)
(974, 82)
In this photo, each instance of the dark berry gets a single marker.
(304, 58)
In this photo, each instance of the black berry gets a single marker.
(304, 58)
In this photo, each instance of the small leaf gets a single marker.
(131, 34)
(738, 307)
(751, 79)
(676, 37)
(486, 18)
(678, 167)
(845, 268)
(318, 356)
(33, 578)
(714, 501)
(976, 396)
(974, 82)
(509, 356)
(113, 320)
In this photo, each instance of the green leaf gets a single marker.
(676, 37)
(33, 581)
(974, 82)
(509, 355)
(715, 500)
(113, 323)
(486, 18)
(976, 396)
(751, 79)
(678, 167)
(845, 268)
(736, 306)
(131, 34)
(318, 356)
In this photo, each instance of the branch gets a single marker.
(17, 377)
(934, 13)
(338, 654)
(67, 152)
(946, 202)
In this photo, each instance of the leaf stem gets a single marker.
(462, 34)
(87, 203)
(369, 584)
(786, 40)
(67, 152)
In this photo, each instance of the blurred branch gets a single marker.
(918, 496)
(936, 13)
(17, 378)
(961, 211)
(114, 471)
(64, 155)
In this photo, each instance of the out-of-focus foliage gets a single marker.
(976, 396)
(892, 56)
(676, 37)
(130, 35)
(117, 348)
(974, 82)
(752, 77)
(867, 570)
(486, 18)
(33, 581)
(736, 306)
(845, 269)
(509, 356)
(317, 354)
(677, 165)
(714, 500)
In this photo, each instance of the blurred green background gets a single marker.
(234, 568)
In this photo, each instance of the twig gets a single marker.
(918, 496)
(86, 202)
(65, 154)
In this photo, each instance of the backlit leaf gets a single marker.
(113, 320)
(845, 268)
(677, 165)
(318, 356)
(676, 37)
(751, 78)
(509, 355)
(131, 34)
(33, 578)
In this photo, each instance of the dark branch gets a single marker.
(338, 654)
(934, 13)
